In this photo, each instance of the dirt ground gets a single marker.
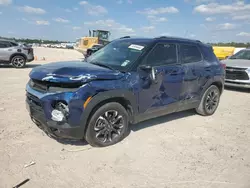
(179, 150)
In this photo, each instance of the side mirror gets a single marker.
(151, 71)
(145, 67)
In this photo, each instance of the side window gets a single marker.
(208, 54)
(190, 53)
(14, 44)
(4, 44)
(162, 54)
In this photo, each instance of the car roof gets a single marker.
(161, 39)
(6, 40)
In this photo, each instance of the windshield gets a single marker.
(243, 54)
(119, 54)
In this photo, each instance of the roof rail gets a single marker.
(125, 37)
(161, 37)
(180, 38)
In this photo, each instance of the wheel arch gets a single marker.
(217, 81)
(219, 85)
(18, 54)
(126, 98)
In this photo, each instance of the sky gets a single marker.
(205, 20)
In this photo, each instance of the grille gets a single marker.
(38, 85)
(34, 102)
(45, 86)
(235, 73)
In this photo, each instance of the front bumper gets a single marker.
(238, 84)
(37, 105)
(30, 59)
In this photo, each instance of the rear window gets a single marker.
(4, 44)
(208, 54)
(190, 53)
(13, 44)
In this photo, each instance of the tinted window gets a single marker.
(14, 44)
(190, 54)
(162, 54)
(4, 44)
(208, 54)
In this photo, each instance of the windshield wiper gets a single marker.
(102, 65)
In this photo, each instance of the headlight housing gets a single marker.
(248, 71)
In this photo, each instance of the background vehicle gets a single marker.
(92, 50)
(238, 69)
(223, 52)
(127, 81)
(96, 37)
(15, 54)
(70, 46)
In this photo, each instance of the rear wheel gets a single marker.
(108, 125)
(209, 102)
(18, 61)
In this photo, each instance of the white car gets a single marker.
(238, 69)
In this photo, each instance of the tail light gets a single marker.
(30, 50)
(223, 65)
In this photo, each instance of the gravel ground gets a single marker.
(179, 150)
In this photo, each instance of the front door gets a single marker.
(162, 95)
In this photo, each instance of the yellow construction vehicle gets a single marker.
(95, 37)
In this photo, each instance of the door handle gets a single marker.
(208, 68)
(174, 72)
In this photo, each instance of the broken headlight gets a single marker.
(60, 112)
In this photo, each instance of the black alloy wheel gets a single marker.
(210, 101)
(108, 125)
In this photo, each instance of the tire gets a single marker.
(209, 102)
(107, 126)
(18, 61)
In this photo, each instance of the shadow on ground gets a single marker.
(162, 119)
(27, 66)
(244, 90)
(139, 126)
(72, 142)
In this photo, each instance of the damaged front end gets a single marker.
(57, 109)
(56, 102)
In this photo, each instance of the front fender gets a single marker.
(104, 96)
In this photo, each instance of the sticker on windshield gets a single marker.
(136, 47)
(125, 63)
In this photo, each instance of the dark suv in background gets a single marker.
(15, 54)
(127, 81)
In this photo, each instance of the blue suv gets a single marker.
(127, 81)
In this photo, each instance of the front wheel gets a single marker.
(18, 61)
(108, 125)
(209, 102)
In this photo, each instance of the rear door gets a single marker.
(163, 95)
(5, 50)
(197, 73)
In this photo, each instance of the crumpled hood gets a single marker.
(72, 72)
(237, 63)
